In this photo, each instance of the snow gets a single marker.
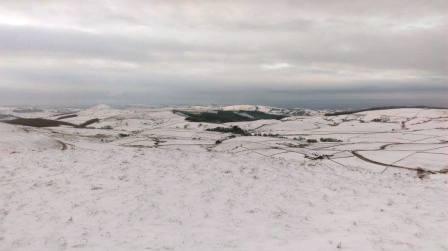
(17, 140)
(154, 181)
(247, 108)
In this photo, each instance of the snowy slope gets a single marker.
(146, 179)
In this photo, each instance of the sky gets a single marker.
(284, 53)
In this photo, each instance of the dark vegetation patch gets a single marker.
(233, 129)
(262, 134)
(239, 131)
(382, 119)
(88, 122)
(296, 145)
(330, 140)
(317, 156)
(40, 122)
(67, 116)
(37, 122)
(381, 108)
(227, 116)
(157, 142)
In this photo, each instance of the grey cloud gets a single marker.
(35, 40)
(334, 48)
(420, 50)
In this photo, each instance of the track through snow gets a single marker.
(145, 179)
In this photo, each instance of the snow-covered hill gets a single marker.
(147, 179)
(270, 109)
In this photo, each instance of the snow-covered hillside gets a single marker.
(147, 179)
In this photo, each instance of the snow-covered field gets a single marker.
(146, 179)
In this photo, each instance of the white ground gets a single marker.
(167, 186)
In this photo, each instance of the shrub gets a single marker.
(233, 129)
(329, 140)
(382, 119)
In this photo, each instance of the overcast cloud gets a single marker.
(288, 53)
